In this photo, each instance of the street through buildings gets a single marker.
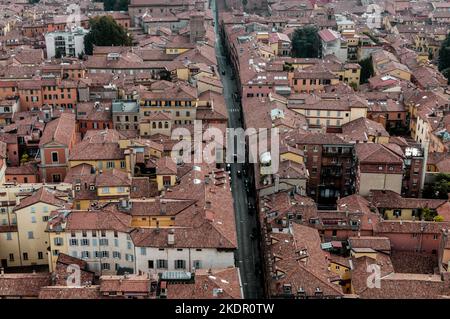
(248, 257)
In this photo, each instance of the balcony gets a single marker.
(265, 170)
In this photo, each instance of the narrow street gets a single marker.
(248, 256)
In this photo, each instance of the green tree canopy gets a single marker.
(306, 43)
(444, 58)
(366, 69)
(104, 32)
(116, 5)
(439, 189)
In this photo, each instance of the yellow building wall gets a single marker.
(176, 50)
(159, 181)
(274, 47)
(407, 214)
(357, 112)
(152, 221)
(113, 191)
(446, 257)
(342, 271)
(368, 254)
(102, 164)
(82, 204)
(10, 247)
(381, 139)
(53, 247)
(400, 74)
(369, 181)
(183, 74)
(40, 240)
(353, 77)
(292, 157)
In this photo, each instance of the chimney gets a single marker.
(171, 237)
(2, 271)
(207, 204)
(163, 209)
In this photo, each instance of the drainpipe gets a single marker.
(424, 166)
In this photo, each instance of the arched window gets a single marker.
(166, 124)
(154, 125)
(159, 124)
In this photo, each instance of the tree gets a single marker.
(104, 32)
(58, 54)
(444, 57)
(438, 219)
(116, 5)
(164, 75)
(366, 69)
(288, 67)
(306, 43)
(439, 189)
(427, 214)
(354, 86)
(25, 158)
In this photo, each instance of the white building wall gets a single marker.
(122, 244)
(50, 45)
(208, 257)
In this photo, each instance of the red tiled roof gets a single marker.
(60, 130)
(43, 195)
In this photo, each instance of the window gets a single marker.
(116, 254)
(150, 264)
(25, 256)
(116, 242)
(58, 241)
(33, 219)
(121, 190)
(197, 264)
(94, 233)
(103, 242)
(106, 266)
(103, 233)
(143, 251)
(105, 254)
(54, 157)
(84, 233)
(122, 164)
(105, 190)
(116, 234)
(129, 245)
(161, 263)
(110, 164)
(73, 242)
(85, 254)
(45, 218)
(30, 235)
(84, 242)
(180, 264)
(11, 257)
(8, 236)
